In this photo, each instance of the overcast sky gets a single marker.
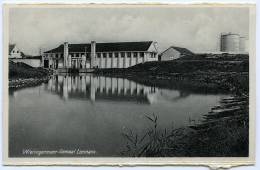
(197, 29)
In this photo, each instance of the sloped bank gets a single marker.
(22, 75)
(207, 75)
(225, 135)
(223, 132)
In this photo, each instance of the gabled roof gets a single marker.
(105, 47)
(183, 51)
(11, 47)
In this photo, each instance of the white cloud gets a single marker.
(197, 29)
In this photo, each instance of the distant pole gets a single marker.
(40, 53)
(85, 58)
(86, 52)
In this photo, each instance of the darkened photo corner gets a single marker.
(128, 81)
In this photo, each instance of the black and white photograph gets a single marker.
(129, 81)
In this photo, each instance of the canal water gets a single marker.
(90, 113)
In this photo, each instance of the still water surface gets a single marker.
(90, 113)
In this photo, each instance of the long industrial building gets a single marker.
(100, 55)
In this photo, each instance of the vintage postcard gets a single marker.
(129, 84)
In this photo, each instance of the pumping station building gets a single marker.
(99, 55)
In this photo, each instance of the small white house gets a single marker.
(14, 52)
(173, 53)
(16, 55)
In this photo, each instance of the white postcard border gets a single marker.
(117, 161)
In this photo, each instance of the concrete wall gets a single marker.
(122, 61)
(105, 60)
(150, 57)
(31, 62)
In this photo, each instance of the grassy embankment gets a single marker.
(224, 130)
(208, 75)
(23, 75)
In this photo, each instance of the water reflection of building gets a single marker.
(99, 88)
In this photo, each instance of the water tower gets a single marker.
(229, 42)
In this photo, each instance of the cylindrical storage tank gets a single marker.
(242, 44)
(246, 45)
(229, 42)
